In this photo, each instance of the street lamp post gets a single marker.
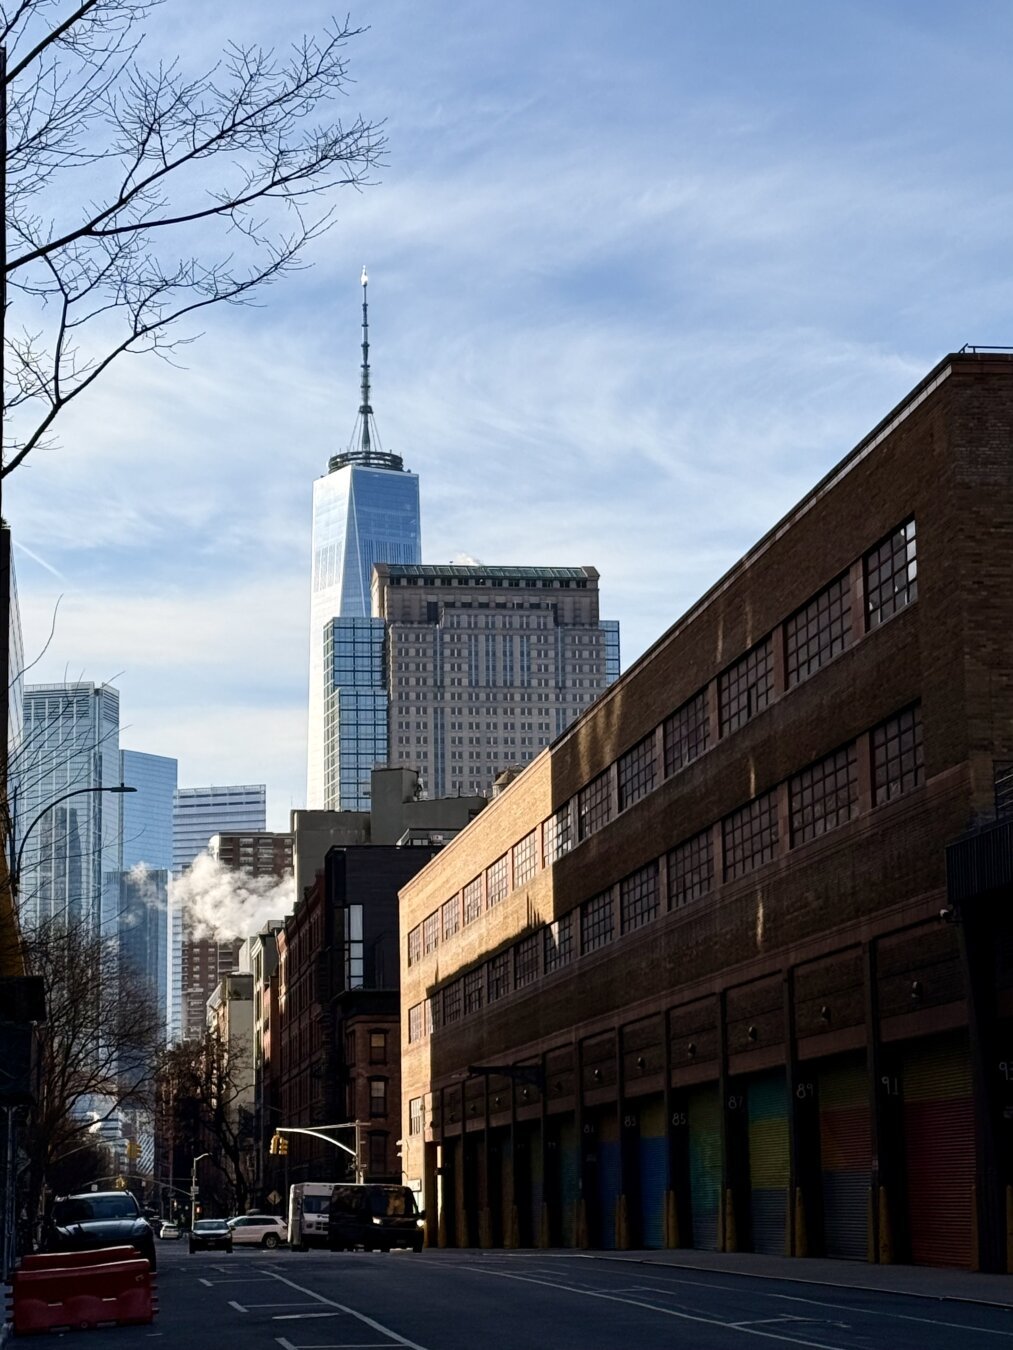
(193, 1188)
(15, 858)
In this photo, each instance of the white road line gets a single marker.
(207, 1282)
(903, 1317)
(344, 1345)
(299, 1317)
(361, 1317)
(238, 1306)
(665, 1312)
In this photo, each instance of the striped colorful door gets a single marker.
(608, 1174)
(569, 1182)
(653, 1172)
(845, 1156)
(939, 1150)
(767, 1101)
(704, 1112)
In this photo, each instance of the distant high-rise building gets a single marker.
(365, 511)
(71, 863)
(12, 660)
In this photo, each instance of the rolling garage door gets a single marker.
(939, 1150)
(767, 1101)
(653, 1172)
(607, 1179)
(569, 1183)
(845, 1157)
(704, 1112)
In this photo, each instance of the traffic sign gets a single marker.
(120, 1183)
(273, 1198)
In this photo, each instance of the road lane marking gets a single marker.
(903, 1317)
(298, 1317)
(369, 1321)
(207, 1282)
(344, 1345)
(238, 1306)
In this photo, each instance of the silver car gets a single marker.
(258, 1230)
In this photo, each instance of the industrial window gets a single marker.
(526, 961)
(451, 911)
(378, 1096)
(750, 836)
(431, 1014)
(473, 991)
(891, 575)
(431, 932)
(824, 795)
(597, 922)
(558, 944)
(746, 688)
(525, 858)
(819, 631)
(496, 883)
(452, 1003)
(638, 898)
(472, 900)
(416, 1116)
(498, 976)
(691, 870)
(415, 1024)
(557, 835)
(378, 1047)
(594, 805)
(686, 733)
(415, 945)
(897, 758)
(637, 770)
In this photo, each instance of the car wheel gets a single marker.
(416, 1246)
(270, 1240)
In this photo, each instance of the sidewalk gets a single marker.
(916, 1281)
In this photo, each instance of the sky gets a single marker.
(639, 276)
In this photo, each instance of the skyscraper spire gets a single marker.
(365, 411)
(364, 444)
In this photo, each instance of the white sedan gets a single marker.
(258, 1230)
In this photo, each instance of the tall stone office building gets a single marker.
(365, 511)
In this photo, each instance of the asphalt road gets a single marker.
(453, 1300)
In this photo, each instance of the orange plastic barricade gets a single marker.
(62, 1260)
(82, 1296)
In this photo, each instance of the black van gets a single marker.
(374, 1216)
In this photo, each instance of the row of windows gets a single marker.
(820, 797)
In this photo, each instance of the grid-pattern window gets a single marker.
(558, 944)
(496, 882)
(691, 870)
(498, 975)
(452, 1003)
(431, 1014)
(378, 1047)
(819, 631)
(526, 961)
(415, 1024)
(638, 898)
(472, 895)
(378, 1096)
(473, 990)
(897, 758)
(637, 770)
(416, 1115)
(891, 575)
(746, 688)
(597, 922)
(525, 858)
(431, 932)
(451, 911)
(686, 733)
(824, 795)
(415, 945)
(749, 836)
(557, 834)
(594, 805)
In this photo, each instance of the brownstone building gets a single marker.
(697, 978)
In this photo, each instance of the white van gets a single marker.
(308, 1206)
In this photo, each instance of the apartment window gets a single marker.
(749, 836)
(431, 932)
(558, 945)
(415, 1024)
(637, 770)
(557, 835)
(496, 882)
(638, 898)
(416, 1116)
(378, 1047)
(597, 922)
(350, 1049)
(594, 805)
(472, 894)
(415, 945)
(452, 1003)
(686, 733)
(498, 976)
(746, 688)
(691, 870)
(526, 961)
(451, 911)
(824, 795)
(377, 1153)
(819, 631)
(525, 859)
(378, 1096)
(897, 758)
(891, 575)
(473, 991)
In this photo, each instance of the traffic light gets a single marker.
(282, 1144)
(275, 1141)
(133, 1149)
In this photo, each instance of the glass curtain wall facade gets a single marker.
(356, 712)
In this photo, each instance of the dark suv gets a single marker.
(375, 1216)
(98, 1219)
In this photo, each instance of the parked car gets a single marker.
(98, 1219)
(210, 1235)
(169, 1231)
(374, 1216)
(258, 1230)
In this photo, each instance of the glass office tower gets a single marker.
(356, 712)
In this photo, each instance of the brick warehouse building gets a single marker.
(702, 952)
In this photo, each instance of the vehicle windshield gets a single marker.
(395, 1203)
(95, 1208)
(315, 1204)
(209, 1225)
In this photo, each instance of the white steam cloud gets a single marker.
(223, 904)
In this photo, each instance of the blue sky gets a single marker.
(639, 275)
